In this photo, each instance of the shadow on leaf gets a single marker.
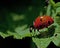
(52, 45)
(46, 34)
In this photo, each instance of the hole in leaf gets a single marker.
(55, 35)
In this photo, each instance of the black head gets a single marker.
(31, 28)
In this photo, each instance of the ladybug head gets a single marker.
(34, 26)
(31, 28)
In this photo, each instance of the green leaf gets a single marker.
(23, 33)
(56, 39)
(48, 10)
(57, 19)
(4, 35)
(52, 3)
(14, 34)
(58, 4)
(58, 10)
(42, 42)
(20, 32)
(57, 30)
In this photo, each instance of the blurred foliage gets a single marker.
(17, 16)
(19, 13)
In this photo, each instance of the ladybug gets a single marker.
(41, 22)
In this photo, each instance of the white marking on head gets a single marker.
(41, 17)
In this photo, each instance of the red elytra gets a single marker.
(42, 22)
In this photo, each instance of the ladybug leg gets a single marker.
(34, 29)
(38, 30)
(31, 29)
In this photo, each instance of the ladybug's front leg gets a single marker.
(38, 30)
(34, 29)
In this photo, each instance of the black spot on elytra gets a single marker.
(44, 25)
(40, 19)
(49, 22)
